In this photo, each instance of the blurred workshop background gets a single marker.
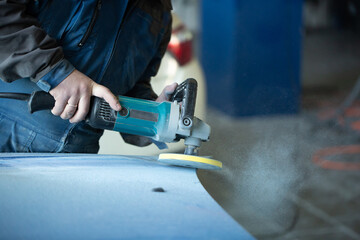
(283, 102)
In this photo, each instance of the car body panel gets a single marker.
(83, 196)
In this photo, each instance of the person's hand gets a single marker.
(72, 97)
(166, 92)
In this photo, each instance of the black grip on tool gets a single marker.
(101, 115)
(186, 93)
(40, 100)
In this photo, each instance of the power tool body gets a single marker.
(168, 121)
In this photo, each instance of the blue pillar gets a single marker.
(251, 54)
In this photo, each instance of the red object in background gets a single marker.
(349, 118)
(180, 45)
(323, 156)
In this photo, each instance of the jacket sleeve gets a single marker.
(26, 51)
(142, 88)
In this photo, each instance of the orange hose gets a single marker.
(319, 158)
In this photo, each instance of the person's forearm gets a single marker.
(26, 51)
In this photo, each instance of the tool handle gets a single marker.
(40, 100)
(186, 93)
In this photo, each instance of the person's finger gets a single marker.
(82, 110)
(70, 108)
(69, 111)
(166, 93)
(105, 93)
(60, 104)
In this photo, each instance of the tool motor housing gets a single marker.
(168, 121)
(138, 117)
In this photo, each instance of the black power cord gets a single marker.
(17, 96)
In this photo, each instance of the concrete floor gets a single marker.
(271, 183)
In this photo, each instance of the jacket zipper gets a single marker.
(91, 25)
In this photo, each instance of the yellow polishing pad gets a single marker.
(190, 161)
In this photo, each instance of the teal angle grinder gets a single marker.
(168, 121)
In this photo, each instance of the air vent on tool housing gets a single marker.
(105, 111)
(101, 115)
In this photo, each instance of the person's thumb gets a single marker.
(166, 93)
(103, 92)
